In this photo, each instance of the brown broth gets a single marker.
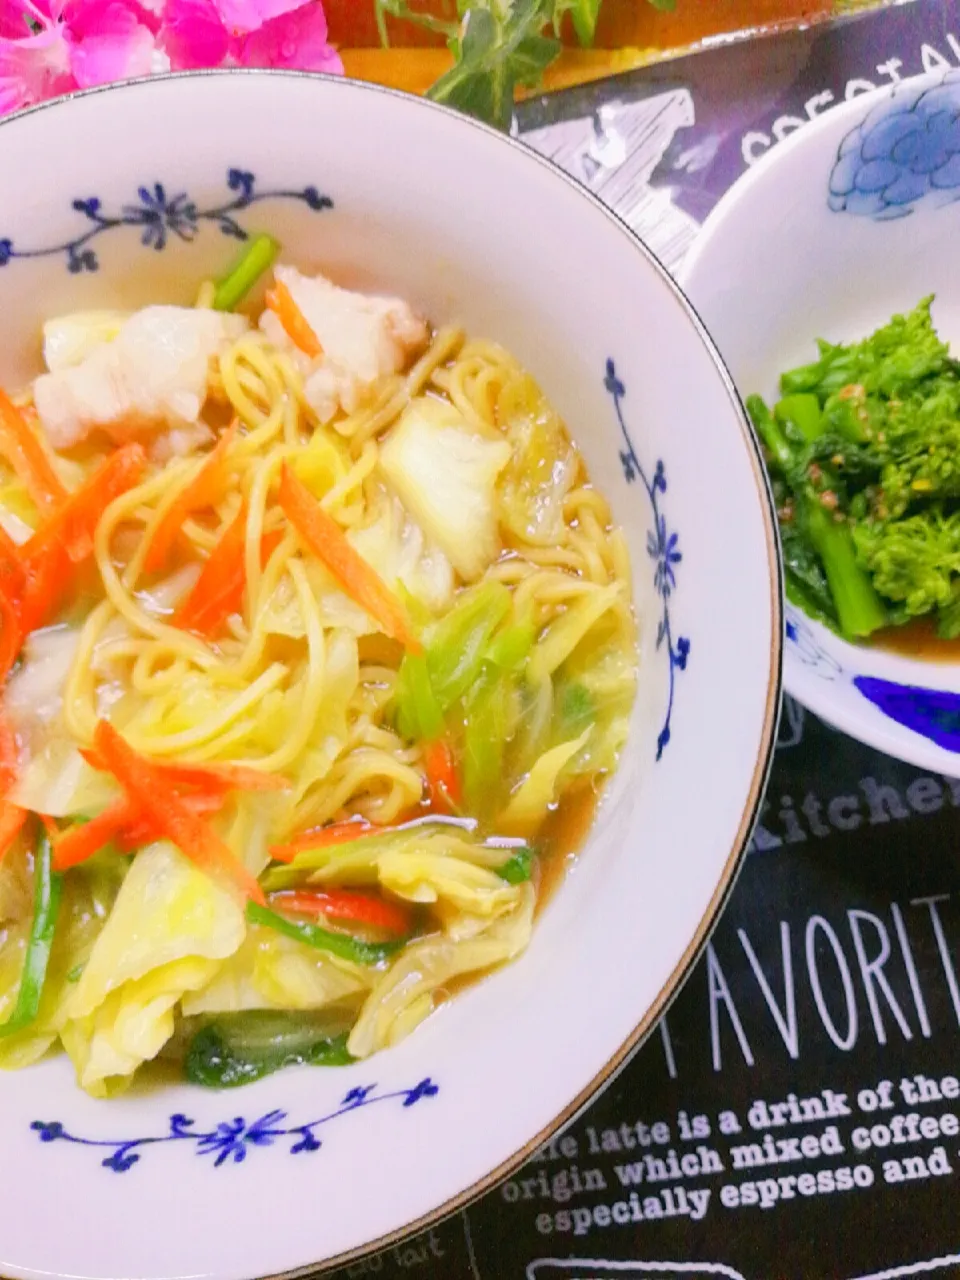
(564, 835)
(917, 639)
(558, 847)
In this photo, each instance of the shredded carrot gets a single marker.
(324, 837)
(204, 490)
(11, 634)
(211, 778)
(122, 823)
(75, 521)
(347, 906)
(12, 819)
(12, 573)
(83, 841)
(143, 831)
(49, 555)
(233, 777)
(49, 577)
(9, 757)
(443, 781)
(327, 541)
(166, 811)
(21, 445)
(219, 590)
(296, 325)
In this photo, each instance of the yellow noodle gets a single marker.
(310, 691)
(363, 426)
(79, 691)
(317, 705)
(211, 727)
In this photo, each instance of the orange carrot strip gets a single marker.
(296, 325)
(157, 800)
(9, 757)
(443, 781)
(11, 634)
(324, 837)
(326, 540)
(49, 577)
(22, 447)
(213, 779)
(208, 605)
(219, 590)
(12, 819)
(233, 777)
(75, 521)
(204, 490)
(83, 841)
(48, 556)
(347, 906)
(12, 573)
(136, 834)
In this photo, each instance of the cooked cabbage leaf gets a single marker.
(169, 928)
(446, 475)
(406, 993)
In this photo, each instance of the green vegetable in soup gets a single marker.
(254, 263)
(237, 1049)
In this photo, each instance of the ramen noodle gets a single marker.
(312, 629)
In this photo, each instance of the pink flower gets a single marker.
(49, 47)
(248, 33)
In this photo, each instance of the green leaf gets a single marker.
(518, 869)
(498, 49)
(401, 9)
(583, 14)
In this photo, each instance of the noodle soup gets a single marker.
(317, 648)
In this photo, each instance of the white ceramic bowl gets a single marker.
(311, 1166)
(851, 219)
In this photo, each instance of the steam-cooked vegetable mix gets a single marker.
(311, 630)
(864, 451)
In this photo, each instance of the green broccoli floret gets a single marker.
(813, 517)
(890, 363)
(920, 444)
(912, 561)
(864, 449)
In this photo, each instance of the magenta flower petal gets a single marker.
(241, 17)
(295, 40)
(193, 34)
(13, 22)
(108, 41)
(35, 68)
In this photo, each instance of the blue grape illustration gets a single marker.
(905, 150)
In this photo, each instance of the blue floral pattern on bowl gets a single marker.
(932, 713)
(802, 638)
(904, 152)
(663, 548)
(231, 1140)
(160, 215)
